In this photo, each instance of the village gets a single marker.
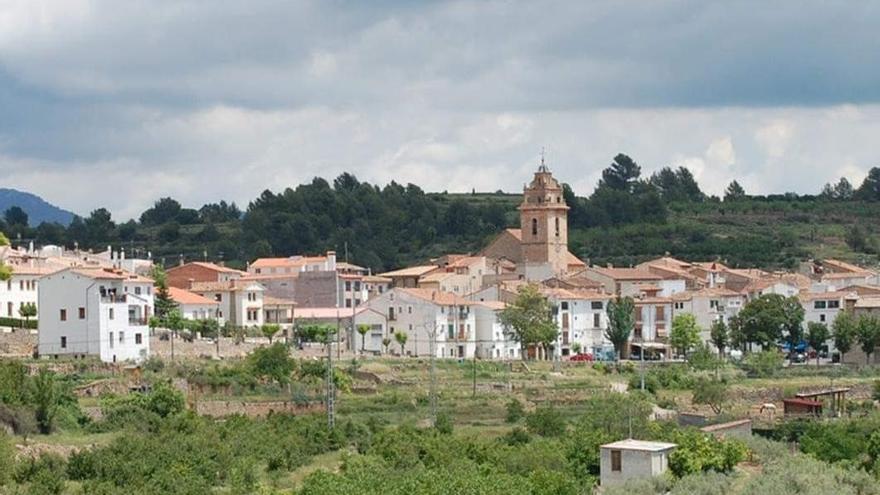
(441, 333)
(101, 304)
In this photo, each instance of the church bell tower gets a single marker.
(544, 222)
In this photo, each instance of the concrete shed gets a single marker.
(628, 459)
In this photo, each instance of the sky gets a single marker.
(116, 103)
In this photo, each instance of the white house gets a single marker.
(240, 301)
(430, 318)
(708, 305)
(493, 340)
(630, 459)
(194, 306)
(95, 312)
(581, 318)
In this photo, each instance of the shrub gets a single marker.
(763, 364)
(697, 452)
(443, 423)
(712, 393)
(515, 410)
(516, 436)
(546, 421)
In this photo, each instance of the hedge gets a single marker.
(17, 323)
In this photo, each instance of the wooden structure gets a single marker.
(802, 407)
(837, 398)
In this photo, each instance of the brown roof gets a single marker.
(626, 273)
(705, 292)
(181, 296)
(842, 275)
(292, 261)
(210, 266)
(412, 271)
(844, 266)
(562, 293)
(868, 302)
(277, 301)
(515, 233)
(377, 279)
(110, 274)
(493, 305)
(438, 297)
(228, 286)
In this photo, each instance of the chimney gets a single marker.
(122, 254)
(609, 265)
(331, 260)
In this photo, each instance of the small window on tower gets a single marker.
(557, 227)
(534, 226)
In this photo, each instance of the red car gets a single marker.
(582, 357)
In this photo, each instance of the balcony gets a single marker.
(113, 298)
(138, 322)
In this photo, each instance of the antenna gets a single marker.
(543, 166)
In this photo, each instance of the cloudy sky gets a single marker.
(115, 103)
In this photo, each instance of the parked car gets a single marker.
(582, 357)
(798, 357)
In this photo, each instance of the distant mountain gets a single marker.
(37, 208)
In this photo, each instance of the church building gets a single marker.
(540, 246)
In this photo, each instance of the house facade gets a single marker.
(240, 302)
(95, 312)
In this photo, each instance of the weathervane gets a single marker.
(543, 167)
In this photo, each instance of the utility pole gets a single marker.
(432, 334)
(331, 391)
(475, 373)
(642, 365)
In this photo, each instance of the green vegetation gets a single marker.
(621, 320)
(530, 319)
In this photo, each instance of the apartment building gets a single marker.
(240, 302)
(581, 317)
(194, 306)
(95, 312)
(187, 274)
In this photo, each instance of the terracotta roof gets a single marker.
(277, 301)
(515, 233)
(761, 284)
(712, 265)
(626, 273)
(493, 305)
(377, 279)
(705, 292)
(210, 266)
(228, 286)
(436, 277)
(652, 300)
(844, 275)
(752, 273)
(861, 288)
(342, 265)
(292, 262)
(181, 296)
(868, 302)
(810, 296)
(40, 269)
(562, 293)
(843, 265)
(412, 271)
(465, 261)
(437, 297)
(110, 274)
(573, 260)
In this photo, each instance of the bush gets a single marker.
(515, 411)
(18, 323)
(443, 423)
(698, 452)
(763, 364)
(7, 458)
(546, 421)
(516, 436)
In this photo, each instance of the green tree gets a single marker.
(546, 421)
(817, 335)
(870, 188)
(163, 302)
(530, 319)
(385, 343)
(769, 318)
(269, 330)
(712, 393)
(515, 410)
(174, 321)
(362, 330)
(16, 217)
(844, 332)
(27, 311)
(401, 338)
(734, 192)
(868, 335)
(45, 395)
(719, 336)
(273, 363)
(622, 174)
(621, 320)
(685, 334)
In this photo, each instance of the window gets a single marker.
(9, 307)
(348, 285)
(409, 309)
(597, 320)
(357, 286)
(819, 304)
(64, 342)
(218, 297)
(678, 305)
(121, 337)
(111, 313)
(534, 226)
(348, 303)
(564, 305)
(557, 227)
(137, 291)
(596, 305)
(63, 315)
(138, 339)
(111, 340)
(21, 285)
(833, 304)
(82, 313)
(822, 318)
(615, 461)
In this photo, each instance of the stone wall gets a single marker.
(221, 408)
(17, 343)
